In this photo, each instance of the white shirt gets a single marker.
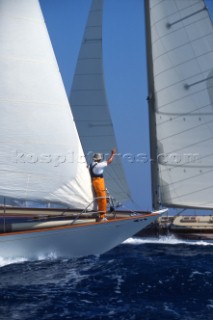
(99, 167)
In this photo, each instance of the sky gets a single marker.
(124, 54)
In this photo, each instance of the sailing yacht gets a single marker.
(45, 190)
(180, 76)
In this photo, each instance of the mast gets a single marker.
(151, 105)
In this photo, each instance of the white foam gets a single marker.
(7, 261)
(49, 256)
(171, 240)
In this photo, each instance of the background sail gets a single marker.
(89, 103)
(40, 153)
(182, 51)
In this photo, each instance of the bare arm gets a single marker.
(109, 160)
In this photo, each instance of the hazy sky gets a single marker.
(125, 73)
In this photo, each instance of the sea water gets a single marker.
(141, 279)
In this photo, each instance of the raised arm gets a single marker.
(109, 160)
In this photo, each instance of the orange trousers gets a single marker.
(100, 191)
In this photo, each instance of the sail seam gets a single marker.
(176, 100)
(192, 144)
(42, 61)
(193, 192)
(34, 102)
(187, 130)
(89, 58)
(170, 15)
(180, 114)
(155, 60)
(37, 21)
(86, 40)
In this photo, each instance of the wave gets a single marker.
(7, 261)
(165, 240)
(171, 240)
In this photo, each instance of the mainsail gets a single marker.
(40, 152)
(89, 103)
(181, 101)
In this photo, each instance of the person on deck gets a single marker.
(96, 172)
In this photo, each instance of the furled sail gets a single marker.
(40, 152)
(181, 100)
(89, 103)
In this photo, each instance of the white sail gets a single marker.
(89, 103)
(40, 153)
(41, 158)
(182, 52)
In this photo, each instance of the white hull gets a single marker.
(74, 240)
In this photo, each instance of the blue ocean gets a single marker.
(147, 279)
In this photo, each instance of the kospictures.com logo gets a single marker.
(57, 159)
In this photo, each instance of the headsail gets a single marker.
(40, 152)
(181, 93)
(89, 102)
